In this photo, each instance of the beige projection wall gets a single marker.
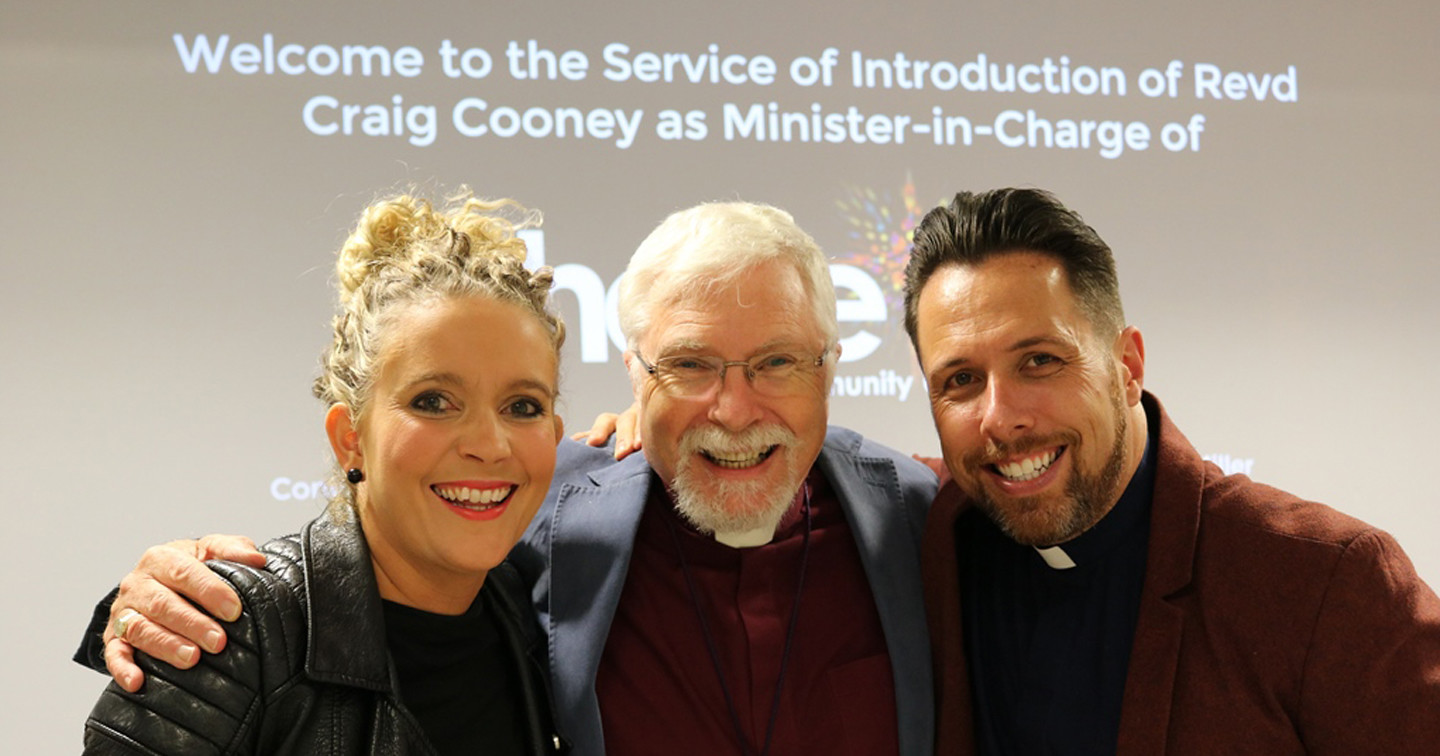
(176, 176)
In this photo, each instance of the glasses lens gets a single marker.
(688, 375)
(774, 374)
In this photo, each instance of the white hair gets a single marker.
(710, 245)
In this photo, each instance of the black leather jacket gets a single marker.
(305, 669)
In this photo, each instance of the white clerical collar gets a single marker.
(1055, 557)
(748, 539)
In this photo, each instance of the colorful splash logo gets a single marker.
(881, 229)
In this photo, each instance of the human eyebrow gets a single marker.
(687, 347)
(682, 347)
(945, 367)
(1034, 341)
(450, 379)
(779, 345)
(535, 385)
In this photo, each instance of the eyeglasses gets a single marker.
(772, 374)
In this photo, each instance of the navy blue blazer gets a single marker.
(577, 551)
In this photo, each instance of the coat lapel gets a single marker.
(892, 566)
(593, 534)
(1155, 654)
(345, 622)
(954, 715)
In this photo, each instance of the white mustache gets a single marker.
(716, 440)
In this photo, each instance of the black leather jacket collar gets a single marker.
(345, 622)
(263, 694)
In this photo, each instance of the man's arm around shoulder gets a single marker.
(217, 705)
(162, 623)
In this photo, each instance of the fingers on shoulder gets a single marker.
(120, 661)
(234, 548)
(159, 641)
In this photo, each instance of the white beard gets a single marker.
(722, 507)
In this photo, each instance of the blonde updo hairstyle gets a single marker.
(405, 251)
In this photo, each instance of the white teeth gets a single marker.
(1028, 468)
(732, 462)
(482, 496)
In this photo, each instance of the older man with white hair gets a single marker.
(748, 582)
(751, 583)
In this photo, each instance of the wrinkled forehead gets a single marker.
(765, 307)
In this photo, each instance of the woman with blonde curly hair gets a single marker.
(391, 623)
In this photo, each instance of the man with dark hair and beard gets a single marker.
(1093, 586)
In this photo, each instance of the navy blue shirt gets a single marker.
(1049, 648)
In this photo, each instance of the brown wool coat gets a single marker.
(1268, 625)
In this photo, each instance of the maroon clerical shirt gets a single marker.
(658, 690)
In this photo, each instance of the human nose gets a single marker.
(484, 437)
(1007, 413)
(735, 405)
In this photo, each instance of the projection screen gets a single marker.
(179, 174)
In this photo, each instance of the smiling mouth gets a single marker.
(474, 499)
(1028, 468)
(736, 461)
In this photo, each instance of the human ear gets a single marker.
(344, 438)
(637, 375)
(1130, 353)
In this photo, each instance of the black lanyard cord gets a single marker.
(714, 651)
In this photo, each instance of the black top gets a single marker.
(456, 676)
(308, 669)
(1049, 648)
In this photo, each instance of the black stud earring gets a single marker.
(354, 475)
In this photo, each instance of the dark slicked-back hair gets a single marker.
(976, 227)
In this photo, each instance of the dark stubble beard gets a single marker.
(1087, 496)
